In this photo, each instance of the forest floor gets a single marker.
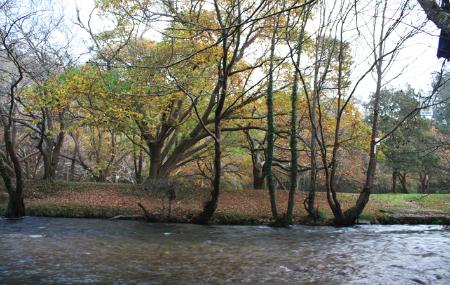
(101, 200)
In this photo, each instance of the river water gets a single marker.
(85, 251)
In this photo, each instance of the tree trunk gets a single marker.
(155, 161)
(310, 200)
(50, 147)
(72, 165)
(402, 178)
(16, 206)
(102, 175)
(351, 215)
(210, 207)
(258, 178)
(424, 181)
(137, 162)
(293, 173)
(394, 180)
(258, 168)
(271, 130)
(50, 165)
(436, 14)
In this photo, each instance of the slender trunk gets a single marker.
(72, 165)
(394, 180)
(312, 187)
(352, 214)
(138, 161)
(293, 140)
(27, 169)
(271, 130)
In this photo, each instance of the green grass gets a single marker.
(393, 198)
(430, 201)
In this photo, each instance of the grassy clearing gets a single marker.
(101, 200)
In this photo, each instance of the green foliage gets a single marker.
(414, 146)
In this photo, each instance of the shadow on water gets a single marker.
(73, 251)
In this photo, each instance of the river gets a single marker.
(87, 251)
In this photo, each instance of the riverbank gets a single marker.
(237, 207)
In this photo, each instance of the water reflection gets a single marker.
(46, 250)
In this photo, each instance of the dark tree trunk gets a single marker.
(402, 179)
(102, 175)
(394, 180)
(259, 174)
(424, 181)
(50, 164)
(350, 216)
(293, 172)
(155, 160)
(258, 178)
(16, 206)
(49, 147)
(138, 162)
(210, 207)
(271, 129)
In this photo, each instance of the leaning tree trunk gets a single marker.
(350, 216)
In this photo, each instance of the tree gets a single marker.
(45, 105)
(436, 14)
(21, 33)
(410, 149)
(383, 52)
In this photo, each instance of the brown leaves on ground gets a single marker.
(241, 204)
(251, 203)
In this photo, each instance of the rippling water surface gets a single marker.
(74, 251)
